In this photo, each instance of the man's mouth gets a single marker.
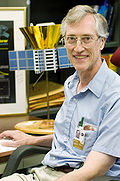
(80, 56)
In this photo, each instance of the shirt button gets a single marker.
(74, 100)
(60, 148)
(53, 158)
(65, 139)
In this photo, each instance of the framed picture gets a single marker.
(13, 94)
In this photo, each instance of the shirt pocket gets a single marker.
(90, 138)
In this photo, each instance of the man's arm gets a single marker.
(96, 164)
(19, 138)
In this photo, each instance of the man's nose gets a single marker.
(79, 46)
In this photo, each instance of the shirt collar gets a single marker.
(96, 84)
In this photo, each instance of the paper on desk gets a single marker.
(5, 148)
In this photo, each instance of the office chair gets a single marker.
(17, 155)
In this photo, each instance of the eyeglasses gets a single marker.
(85, 40)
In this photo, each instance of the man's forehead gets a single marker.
(87, 19)
(86, 24)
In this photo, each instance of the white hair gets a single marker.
(75, 14)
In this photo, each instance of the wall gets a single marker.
(52, 10)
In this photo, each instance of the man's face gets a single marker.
(84, 56)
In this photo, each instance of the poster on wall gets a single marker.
(13, 97)
(7, 78)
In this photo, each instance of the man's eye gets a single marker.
(71, 38)
(86, 39)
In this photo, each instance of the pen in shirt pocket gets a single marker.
(86, 126)
(81, 122)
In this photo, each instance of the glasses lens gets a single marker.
(86, 39)
(71, 39)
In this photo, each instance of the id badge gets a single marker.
(79, 138)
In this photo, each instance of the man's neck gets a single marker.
(87, 76)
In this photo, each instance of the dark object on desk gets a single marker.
(115, 59)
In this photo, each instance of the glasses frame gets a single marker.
(78, 38)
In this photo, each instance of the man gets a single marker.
(92, 102)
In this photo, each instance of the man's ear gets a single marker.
(103, 40)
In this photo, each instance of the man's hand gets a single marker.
(19, 138)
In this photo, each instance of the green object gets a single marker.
(81, 123)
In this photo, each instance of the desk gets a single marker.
(5, 154)
(38, 127)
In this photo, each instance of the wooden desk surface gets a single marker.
(4, 154)
(37, 127)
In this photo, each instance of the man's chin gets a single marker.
(80, 68)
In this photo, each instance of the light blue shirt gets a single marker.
(99, 104)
